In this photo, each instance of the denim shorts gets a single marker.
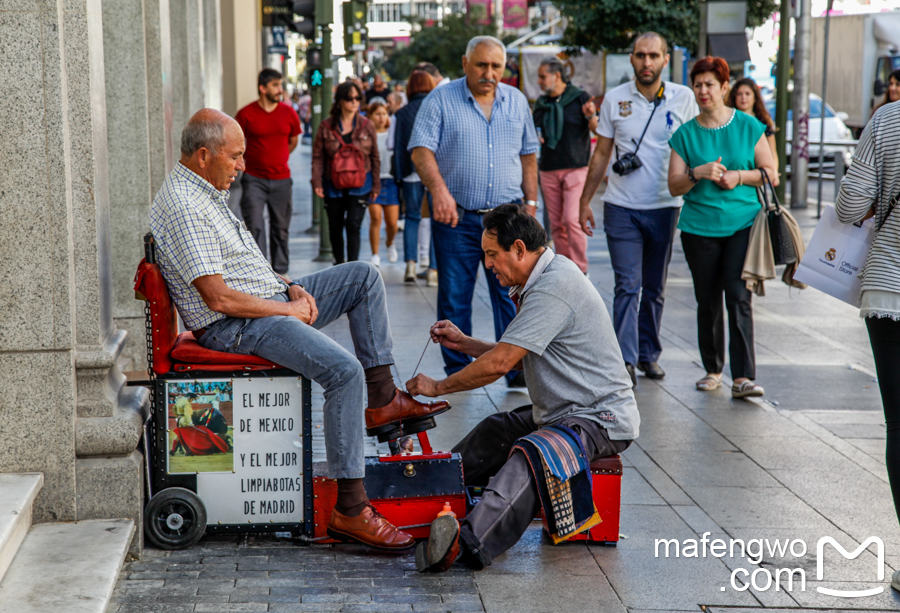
(389, 194)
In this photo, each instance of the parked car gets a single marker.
(835, 131)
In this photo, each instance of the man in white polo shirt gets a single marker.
(637, 120)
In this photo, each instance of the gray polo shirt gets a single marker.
(574, 366)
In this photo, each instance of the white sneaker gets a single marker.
(392, 254)
(895, 580)
(424, 261)
(431, 278)
(401, 223)
(376, 260)
(410, 276)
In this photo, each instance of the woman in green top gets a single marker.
(716, 162)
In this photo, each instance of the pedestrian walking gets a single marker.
(565, 117)
(871, 188)
(395, 102)
(637, 119)
(272, 130)
(717, 163)
(378, 89)
(474, 145)
(892, 93)
(439, 79)
(346, 169)
(745, 96)
(387, 205)
(419, 85)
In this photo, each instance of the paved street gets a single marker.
(804, 463)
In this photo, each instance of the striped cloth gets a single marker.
(563, 478)
(874, 178)
(479, 160)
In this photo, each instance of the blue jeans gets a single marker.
(356, 289)
(413, 192)
(640, 247)
(459, 256)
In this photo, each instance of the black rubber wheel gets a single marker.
(175, 518)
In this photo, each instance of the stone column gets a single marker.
(212, 54)
(128, 141)
(186, 36)
(163, 153)
(241, 58)
(138, 97)
(65, 409)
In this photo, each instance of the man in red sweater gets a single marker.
(272, 130)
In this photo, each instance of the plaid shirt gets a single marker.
(197, 235)
(478, 159)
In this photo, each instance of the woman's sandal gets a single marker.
(745, 389)
(709, 383)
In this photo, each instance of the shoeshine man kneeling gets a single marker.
(563, 339)
(230, 298)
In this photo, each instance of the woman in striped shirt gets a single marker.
(871, 189)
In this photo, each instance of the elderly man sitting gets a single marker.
(583, 408)
(232, 300)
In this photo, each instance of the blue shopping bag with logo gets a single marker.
(835, 257)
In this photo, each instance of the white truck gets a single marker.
(862, 51)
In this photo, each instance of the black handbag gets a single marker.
(782, 243)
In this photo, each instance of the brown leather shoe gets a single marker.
(402, 409)
(440, 551)
(369, 528)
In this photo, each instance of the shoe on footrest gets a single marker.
(440, 551)
(369, 528)
(402, 410)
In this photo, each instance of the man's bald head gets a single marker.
(212, 146)
(210, 129)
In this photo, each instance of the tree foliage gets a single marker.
(442, 45)
(600, 25)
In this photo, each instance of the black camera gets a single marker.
(626, 164)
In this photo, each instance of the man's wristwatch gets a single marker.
(293, 283)
(533, 203)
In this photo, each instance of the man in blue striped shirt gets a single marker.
(474, 147)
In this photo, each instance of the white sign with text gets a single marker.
(267, 482)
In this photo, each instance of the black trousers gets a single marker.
(884, 335)
(716, 264)
(345, 212)
(258, 194)
(510, 501)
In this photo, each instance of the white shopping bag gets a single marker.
(835, 256)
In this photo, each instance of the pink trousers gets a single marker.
(562, 189)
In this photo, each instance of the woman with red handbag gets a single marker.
(346, 169)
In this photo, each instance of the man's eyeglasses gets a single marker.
(352, 99)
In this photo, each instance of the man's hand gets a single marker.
(589, 108)
(300, 309)
(448, 335)
(296, 294)
(320, 192)
(586, 219)
(422, 385)
(531, 210)
(444, 209)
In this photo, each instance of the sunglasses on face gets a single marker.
(352, 99)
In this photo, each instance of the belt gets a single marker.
(199, 333)
(481, 211)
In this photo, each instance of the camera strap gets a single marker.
(657, 100)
